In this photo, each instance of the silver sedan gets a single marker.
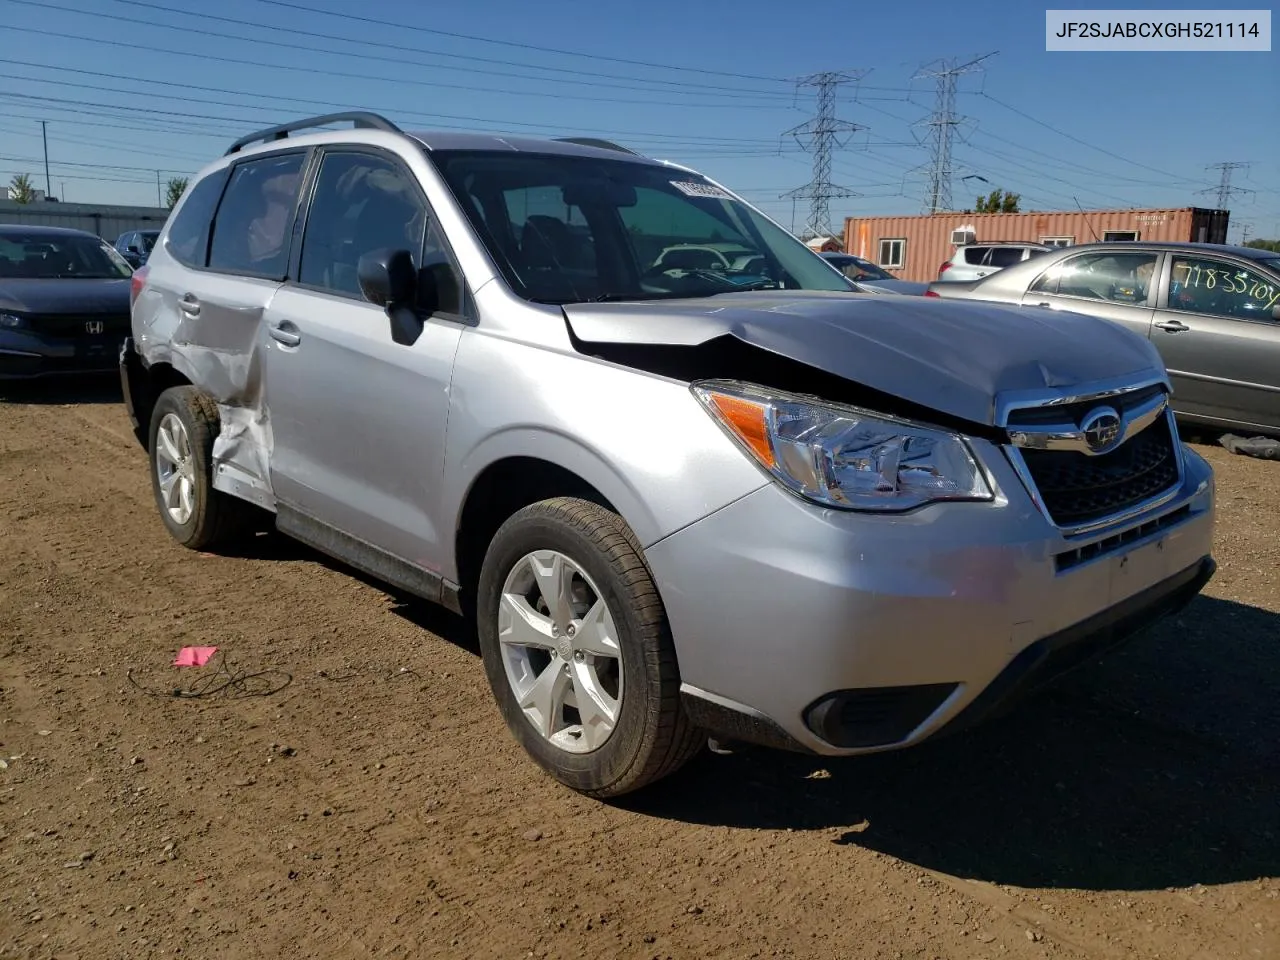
(1212, 311)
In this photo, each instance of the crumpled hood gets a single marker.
(54, 296)
(952, 356)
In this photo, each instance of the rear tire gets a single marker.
(184, 424)
(617, 723)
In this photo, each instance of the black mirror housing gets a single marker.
(389, 279)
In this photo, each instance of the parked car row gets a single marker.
(687, 480)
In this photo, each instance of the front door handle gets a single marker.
(287, 334)
(1172, 326)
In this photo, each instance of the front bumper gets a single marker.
(25, 355)
(839, 633)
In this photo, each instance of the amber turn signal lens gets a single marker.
(748, 420)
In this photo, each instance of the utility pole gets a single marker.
(820, 136)
(44, 135)
(1224, 188)
(159, 200)
(942, 123)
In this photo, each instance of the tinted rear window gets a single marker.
(188, 240)
(254, 220)
(1005, 256)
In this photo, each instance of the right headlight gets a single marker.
(842, 456)
(10, 321)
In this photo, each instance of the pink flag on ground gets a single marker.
(194, 656)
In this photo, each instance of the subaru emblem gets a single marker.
(1101, 429)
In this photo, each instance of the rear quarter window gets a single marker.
(188, 239)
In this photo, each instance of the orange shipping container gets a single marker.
(913, 247)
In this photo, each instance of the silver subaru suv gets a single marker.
(684, 500)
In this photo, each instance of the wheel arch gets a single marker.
(508, 484)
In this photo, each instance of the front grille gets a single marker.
(1076, 488)
(1030, 417)
(75, 326)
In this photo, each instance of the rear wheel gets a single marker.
(184, 424)
(577, 649)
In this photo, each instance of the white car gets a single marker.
(974, 261)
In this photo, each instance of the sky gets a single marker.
(138, 90)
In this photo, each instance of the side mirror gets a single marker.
(389, 279)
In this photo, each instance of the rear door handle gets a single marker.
(1172, 326)
(189, 305)
(287, 334)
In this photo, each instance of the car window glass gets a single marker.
(976, 256)
(251, 229)
(60, 256)
(1005, 256)
(564, 228)
(1114, 277)
(1202, 285)
(362, 203)
(444, 273)
(189, 228)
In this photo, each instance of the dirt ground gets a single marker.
(352, 792)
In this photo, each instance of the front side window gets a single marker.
(1113, 277)
(251, 230)
(47, 256)
(362, 203)
(1218, 288)
(566, 228)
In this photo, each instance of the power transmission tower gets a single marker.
(821, 136)
(1224, 188)
(942, 124)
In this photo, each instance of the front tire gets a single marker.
(577, 649)
(184, 424)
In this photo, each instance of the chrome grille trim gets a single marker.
(1048, 435)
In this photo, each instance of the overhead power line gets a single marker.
(150, 50)
(269, 38)
(1084, 143)
(399, 26)
(274, 99)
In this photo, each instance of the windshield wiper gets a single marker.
(754, 285)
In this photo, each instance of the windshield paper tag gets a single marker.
(690, 189)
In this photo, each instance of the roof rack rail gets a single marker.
(596, 142)
(361, 119)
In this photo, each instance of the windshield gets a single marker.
(564, 229)
(855, 268)
(59, 257)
